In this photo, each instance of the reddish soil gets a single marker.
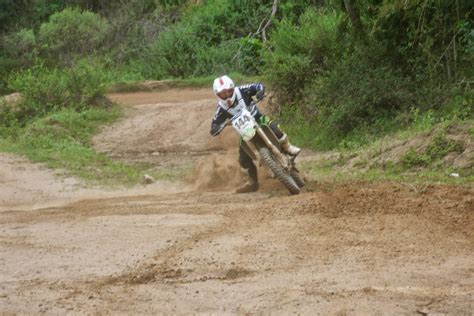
(197, 247)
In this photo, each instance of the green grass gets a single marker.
(323, 173)
(420, 167)
(63, 140)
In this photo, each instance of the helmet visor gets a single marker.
(226, 94)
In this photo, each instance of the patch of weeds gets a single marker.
(63, 140)
(316, 171)
(419, 165)
(422, 121)
(361, 162)
(387, 165)
(418, 179)
(438, 148)
(471, 132)
(387, 171)
(415, 159)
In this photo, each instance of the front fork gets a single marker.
(282, 159)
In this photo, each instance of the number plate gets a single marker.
(244, 124)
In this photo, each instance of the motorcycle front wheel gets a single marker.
(278, 170)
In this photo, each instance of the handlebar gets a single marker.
(253, 103)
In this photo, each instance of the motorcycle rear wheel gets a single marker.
(278, 170)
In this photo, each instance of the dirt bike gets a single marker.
(261, 144)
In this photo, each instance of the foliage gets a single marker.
(209, 39)
(46, 89)
(27, 13)
(347, 91)
(7, 66)
(173, 54)
(21, 44)
(19, 51)
(62, 140)
(71, 33)
(301, 53)
(428, 38)
(438, 147)
(412, 158)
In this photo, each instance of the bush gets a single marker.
(173, 54)
(18, 50)
(300, 53)
(7, 65)
(210, 39)
(413, 159)
(71, 33)
(358, 93)
(21, 45)
(45, 89)
(459, 104)
(438, 148)
(414, 42)
(338, 89)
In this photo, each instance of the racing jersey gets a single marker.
(243, 99)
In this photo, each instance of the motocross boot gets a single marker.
(287, 147)
(252, 184)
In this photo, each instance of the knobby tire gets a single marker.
(278, 170)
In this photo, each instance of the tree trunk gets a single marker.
(269, 22)
(355, 19)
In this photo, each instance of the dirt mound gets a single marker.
(430, 144)
(449, 148)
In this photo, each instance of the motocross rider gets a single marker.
(232, 99)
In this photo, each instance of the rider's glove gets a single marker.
(260, 95)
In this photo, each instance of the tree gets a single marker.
(71, 33)
(354, 16)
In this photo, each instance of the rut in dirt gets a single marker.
(198, 247)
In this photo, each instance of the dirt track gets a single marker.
(197, 247)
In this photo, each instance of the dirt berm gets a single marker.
(197, 247)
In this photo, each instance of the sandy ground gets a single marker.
(197, 247)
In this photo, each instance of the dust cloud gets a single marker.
(217, 172)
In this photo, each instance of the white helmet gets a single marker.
(224, 89)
